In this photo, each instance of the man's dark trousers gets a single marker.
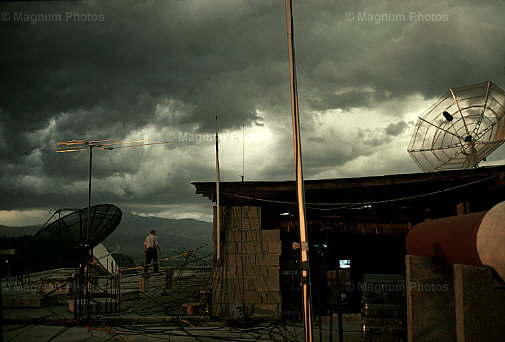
(151, 255)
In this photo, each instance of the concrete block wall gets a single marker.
(463, 305)
(248, 272)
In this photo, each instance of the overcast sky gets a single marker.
(162, 70)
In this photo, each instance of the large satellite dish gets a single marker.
(461, 129)
(71, 229)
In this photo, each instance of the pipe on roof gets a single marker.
(476, 239)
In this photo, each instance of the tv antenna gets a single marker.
(242, 176)
(218, 207)
(461, 129)
(84, 244)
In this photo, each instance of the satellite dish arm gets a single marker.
(459, 110)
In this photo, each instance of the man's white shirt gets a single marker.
(151, 241)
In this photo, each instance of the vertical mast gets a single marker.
(218, 208)
(304, 250)
(89, 192)
(243, 153)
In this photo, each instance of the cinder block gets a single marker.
(245, 211)
(242, 211)
(250, 225)
(228, 272)
(234, 236)
(252, 247)
(250, 272)
(245, 218)
(254, 212)
(271, 235)
(268, 259)
(264, 284)
(259, 247)
(244, 235)
(228, 297)
(253, 235)
(219, 309)
(245, 225)
(232, 247)
(271, 297)
(244, 247)
(234, 284)
(271, 271)
(252, 297)
(266, 311)
(240, 259)
(261, 272)
(272, 247)
(230, 260)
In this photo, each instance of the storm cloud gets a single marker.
(163, 71)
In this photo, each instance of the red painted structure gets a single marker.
(476, 239)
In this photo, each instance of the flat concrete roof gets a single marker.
(358, 190)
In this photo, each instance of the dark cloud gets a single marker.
(394, 129)
(162, 70)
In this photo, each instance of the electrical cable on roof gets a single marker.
(344, 205)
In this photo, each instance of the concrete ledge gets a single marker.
(27, 300)
(430, 302)
(479, 304)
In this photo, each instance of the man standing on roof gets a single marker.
(150, 252)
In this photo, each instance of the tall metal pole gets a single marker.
(243, 153)
(307, 307)
(87, 251)
(89, 191)
(218, 209)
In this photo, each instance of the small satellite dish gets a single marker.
(461, 129)
(71, 229)
(105, 259)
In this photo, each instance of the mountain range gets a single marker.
(173, 235)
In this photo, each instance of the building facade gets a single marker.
(356, 223)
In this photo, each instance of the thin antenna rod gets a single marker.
(89, 192)
(243, 153)
(218, 209)
(304, 246)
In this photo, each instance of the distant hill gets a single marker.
(173, 235)
(18, 231)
